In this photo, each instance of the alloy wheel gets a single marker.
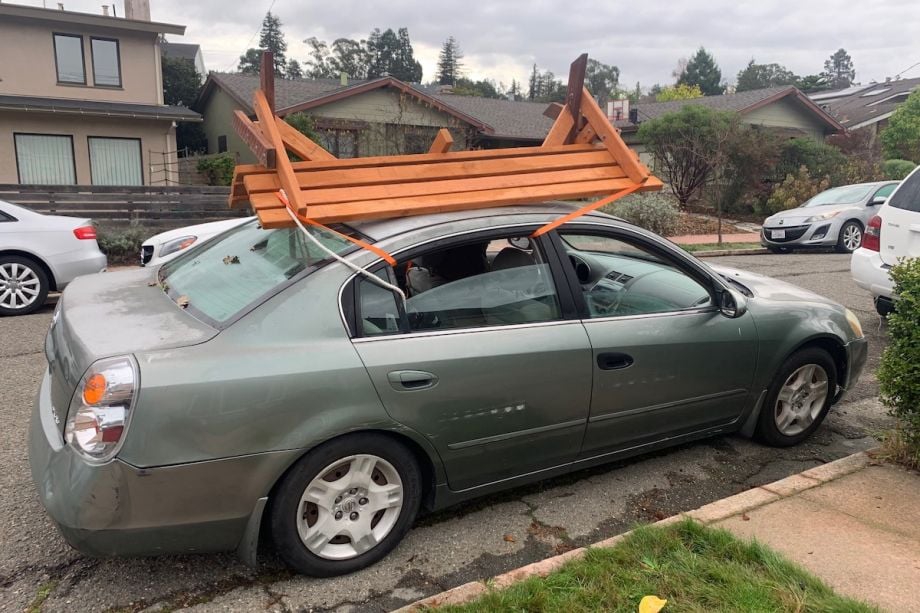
(349, 507)
(19, 286)
(801, 399)
(852, 237)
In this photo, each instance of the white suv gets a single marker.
(891, 235)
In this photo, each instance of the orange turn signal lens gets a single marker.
(94, 389)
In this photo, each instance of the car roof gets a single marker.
(381, 229)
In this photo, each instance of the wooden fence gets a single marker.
(157, 206)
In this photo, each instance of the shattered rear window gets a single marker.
(242, 266)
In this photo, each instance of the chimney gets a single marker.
(343, 78)
(138, 10)
(105, 10)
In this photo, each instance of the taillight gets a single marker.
(872, 237)
(85, 233)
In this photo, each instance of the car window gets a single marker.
(885, 191)
(223, 277)
(848, 194)
(907, 197)
(619, 278)
(471, 285)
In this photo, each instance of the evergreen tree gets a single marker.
(514, 92)
(703, 71)
(407, 68)
(271, 39)
(760, 76)
(250, 62)
(838, 69)
(449, 66)
(534, 92)
(293, 70)
(391, 54)
(601, 80)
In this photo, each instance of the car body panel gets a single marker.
(50, 240)
(202, 232)
(870, 272)
(900, 232)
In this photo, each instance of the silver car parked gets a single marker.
(42, 253)
(834, 218)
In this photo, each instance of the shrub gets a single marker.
(794, 190)
(896, 170)
(899, 371)
(656, 212)
(901, 138)
(123, 245)
(217, 168)
(820, 159)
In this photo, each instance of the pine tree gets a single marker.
(534, 91)
(838, 69)
(391, 54)
(514, 92)
(271, 39)
(703, 71)
(293, 70)
(407, 68)
(449, 66)
(759, 76)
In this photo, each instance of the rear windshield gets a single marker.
(242, 266)
(907, 196)
(848, 194)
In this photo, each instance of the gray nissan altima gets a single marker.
(258, 386)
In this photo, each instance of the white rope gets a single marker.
(361, 271)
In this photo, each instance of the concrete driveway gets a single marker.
(476, 540)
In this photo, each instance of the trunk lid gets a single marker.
(109, 314)
(900, 232)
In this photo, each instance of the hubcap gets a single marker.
(852, 238)
(19, 286)
(349, 507)
(801, 399)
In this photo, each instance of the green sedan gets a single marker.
(275, 383)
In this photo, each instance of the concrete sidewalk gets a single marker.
(854, 523)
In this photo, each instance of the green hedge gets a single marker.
(897, 169)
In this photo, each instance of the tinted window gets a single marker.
(68, 53)
(619, 279)
(839, 195)
(908, 195)
(243, 265)
(884, 192)
(106, 68)
(378, 308)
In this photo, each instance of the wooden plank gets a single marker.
(300, 144)
(553, 110)
(275, 218)
(586, 135)
(419, 158)
(323, 197)
(267, 79)
(427, 172)
(562, 128)
(442, 142)
(576, 87)
(252, 135)
(608, 135)
(285, 171)
(262, 202)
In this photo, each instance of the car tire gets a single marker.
(796, 389)
(849, 238)
(342, 487)
(779, 249)
(23, 285)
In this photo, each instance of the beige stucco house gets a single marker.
(81, 98)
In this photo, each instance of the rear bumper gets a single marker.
(119, 509)
(871, 273)
(68, 266)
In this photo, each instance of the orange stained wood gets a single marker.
(442, 142)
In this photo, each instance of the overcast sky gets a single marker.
(502, 39)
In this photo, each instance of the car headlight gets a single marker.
(855, 326)
(101, 409)
(822, 216)
(177, 244)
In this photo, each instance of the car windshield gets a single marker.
(243, 265)
(848, 194)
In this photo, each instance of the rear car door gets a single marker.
(900, 232)
(666, 362)
(486, 358)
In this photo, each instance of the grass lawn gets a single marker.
(694, 567)
(722, 247)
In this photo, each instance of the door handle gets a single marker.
(613, 361)
(411, 380)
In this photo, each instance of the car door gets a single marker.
(482, 362)
(666, 362)
(900, 231)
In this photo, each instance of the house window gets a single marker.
(45, 159)
(106, 62)
(340, 143)
(221, 143)
(419, 138)
(115, 161)
(68, 57)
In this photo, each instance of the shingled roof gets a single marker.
(869, 104)
(288, 92)
(509, 118)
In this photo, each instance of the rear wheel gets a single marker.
(23, 285)
(798, 399)
(346, 505)
(850, 237)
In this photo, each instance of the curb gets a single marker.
(715, 254)
(708, 514)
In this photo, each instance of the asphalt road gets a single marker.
(476, 540)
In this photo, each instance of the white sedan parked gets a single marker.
(167, 245)
(42, 253)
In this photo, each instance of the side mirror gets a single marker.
(878, 200)
(732, 304)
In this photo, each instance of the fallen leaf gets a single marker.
(152, 284)
(182, 301)
(745, 517)
(231, 259)
(651, 604)
(509, 538)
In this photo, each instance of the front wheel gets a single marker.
(798, 399)
(346, 505)
(850, 237)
